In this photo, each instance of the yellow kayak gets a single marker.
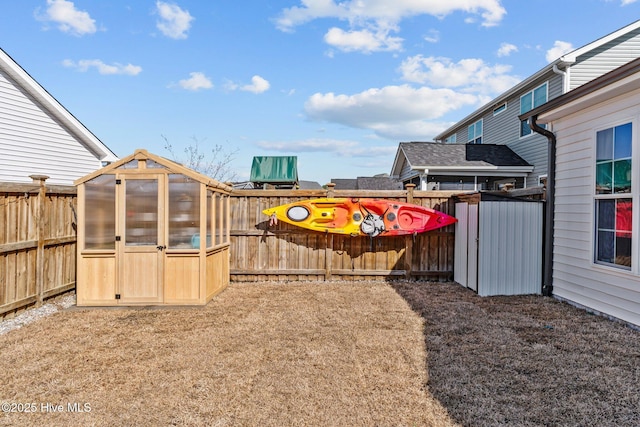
(360, 217)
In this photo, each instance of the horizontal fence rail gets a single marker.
(285, 252)
(37, 243)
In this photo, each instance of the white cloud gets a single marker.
(258, 85)
(174, 22)
(507, 49)
(371, 21)
(559, 48)
(433, 36)
(115, 68)
(229, 85)
(69, 19)
(391, 111)
(468, 75)
(364, 40)
(343, 148)
(383, 12)
(196, 82)
(405, 112)
(626, 2)
(312, 9)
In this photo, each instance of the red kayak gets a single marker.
(367, 217)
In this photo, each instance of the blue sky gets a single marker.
(337, 83)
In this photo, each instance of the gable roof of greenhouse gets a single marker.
(152, 162)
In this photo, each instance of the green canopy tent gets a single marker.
(274, 171)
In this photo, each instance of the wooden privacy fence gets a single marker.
(37, 242)
(285, 252)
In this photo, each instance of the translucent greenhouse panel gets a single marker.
(210, 211)
(132, 164)
(225, 219)
(184, 212)
(152, 164)
(141, 212)
(221, 219)
(218, 200)
(100, 213)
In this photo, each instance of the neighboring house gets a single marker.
(280, 172)
(368, 183)
(345, 183)
(38, 136)
(497, 122)
(435, 166)
(309, 185)
(594, 133)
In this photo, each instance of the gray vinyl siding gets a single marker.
(576, 277)
(406, 172)
(31, 142)
(533, 148)
(605, 58)
(504, 128)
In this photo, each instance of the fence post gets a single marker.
(328, 251)
(410, 188)
(40, 230)
(408, 240)
(330, 189)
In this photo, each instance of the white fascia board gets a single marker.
(604, 94)
(514, 171)
(34, 89)
(434, 170)
(395, 166)
(572, 56)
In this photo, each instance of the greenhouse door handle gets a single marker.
(161, 247)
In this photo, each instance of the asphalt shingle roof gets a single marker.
(438, 154)
(368, 183)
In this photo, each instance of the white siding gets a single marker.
(31, 142)
(576, 277)
(605, 58)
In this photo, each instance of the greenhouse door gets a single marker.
(142, 244)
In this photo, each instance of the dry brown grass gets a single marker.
(274, 354)
(340, 354)
(526, 360)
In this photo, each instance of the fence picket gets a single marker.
(285, 252)
(37, 243)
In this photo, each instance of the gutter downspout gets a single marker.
(565, 78)
(547, 286)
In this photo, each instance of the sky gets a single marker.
(339, 84)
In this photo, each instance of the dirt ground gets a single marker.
(319, 354)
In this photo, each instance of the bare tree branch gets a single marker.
(216, 164)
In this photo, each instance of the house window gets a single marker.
(500, 109)
(451, 139)
(613, 200)
(475, 133)
(528, 102)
